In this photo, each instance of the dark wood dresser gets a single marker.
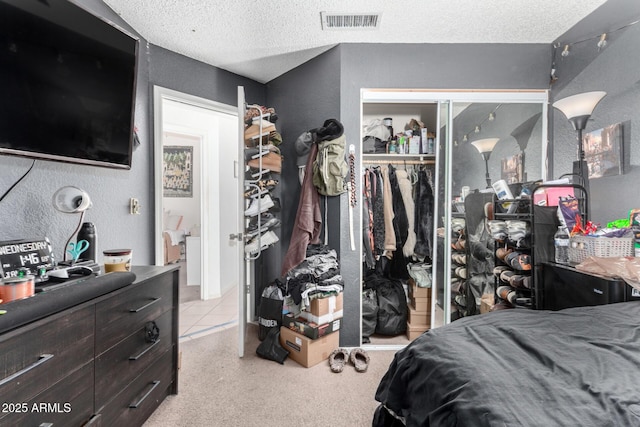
(92, 355)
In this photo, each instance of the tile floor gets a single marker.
(199, 318)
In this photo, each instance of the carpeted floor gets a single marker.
(216, 388)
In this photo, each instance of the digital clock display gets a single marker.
(20, 257)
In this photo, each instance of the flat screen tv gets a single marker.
(67, 84)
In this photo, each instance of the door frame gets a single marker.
(159, 94)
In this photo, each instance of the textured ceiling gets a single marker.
(262, 40)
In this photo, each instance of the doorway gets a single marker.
(195, 169)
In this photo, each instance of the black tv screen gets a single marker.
(67, 84)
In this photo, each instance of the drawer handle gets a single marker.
(43, 358)
(144, 351)
(153, 301)
(139, 402)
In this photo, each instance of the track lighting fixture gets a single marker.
(565, 51)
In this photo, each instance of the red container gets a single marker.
(16, 288)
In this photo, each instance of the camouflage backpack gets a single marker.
(330, 167)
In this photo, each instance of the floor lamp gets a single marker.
(578, 109)
(485, 147)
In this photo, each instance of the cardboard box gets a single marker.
(414, 331)
(422, 318)
(417, 292)
(306, 351)
(322, 306)
(325, 318)
(310, 329)
(420, 304)
(486, 303)
(551, 195)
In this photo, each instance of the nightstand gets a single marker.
(564, 286)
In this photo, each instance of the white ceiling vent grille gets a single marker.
(350, 21)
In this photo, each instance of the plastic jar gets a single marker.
(117, 260)
(14, 288)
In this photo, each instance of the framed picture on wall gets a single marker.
(512, 170)
(177, 171)
(603, 150)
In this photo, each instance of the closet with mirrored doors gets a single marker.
(428, 162)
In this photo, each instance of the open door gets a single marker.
(244, 264)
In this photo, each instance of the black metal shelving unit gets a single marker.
(543, 223)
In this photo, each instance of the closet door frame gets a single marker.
(446, 98)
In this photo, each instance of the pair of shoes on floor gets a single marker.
(339, 357)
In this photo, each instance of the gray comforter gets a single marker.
(574, 367)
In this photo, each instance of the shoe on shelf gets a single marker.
(255, 153)
(259, 205)
(271, 161)
(338, 359)
(254, 191)
(255, 174)
(257, 130)
(267, 184)
(267, 222)
(261, 242)
(518, 261)
(254, 113)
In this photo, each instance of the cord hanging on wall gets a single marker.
(71, 200)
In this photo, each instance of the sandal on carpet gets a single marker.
(337, 359)
(360, 359)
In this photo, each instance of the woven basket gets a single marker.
(582, 247)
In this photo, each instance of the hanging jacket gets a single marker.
(308, 223)
(406, 190)
(424, 215)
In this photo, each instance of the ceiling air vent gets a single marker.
(350, 21)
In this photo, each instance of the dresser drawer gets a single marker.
(67, 403)
(140, 398)
(128, 311)
(35, 357)
(118, 366)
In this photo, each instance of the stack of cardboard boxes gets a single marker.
(311, 335)
(419, 316)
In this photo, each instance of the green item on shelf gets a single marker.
(618, 223)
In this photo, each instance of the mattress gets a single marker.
(573, 367)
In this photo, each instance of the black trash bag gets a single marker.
(369, 312)
(270, 347)
(392, 308)
(270, 310)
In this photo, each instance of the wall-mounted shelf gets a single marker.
(399, 158)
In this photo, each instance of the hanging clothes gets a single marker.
(406, 191)
(367, 223)
(308, 223)
(424, 216)
(389, 233)
(378, 212)
(398, 264)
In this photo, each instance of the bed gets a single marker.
(573, 367)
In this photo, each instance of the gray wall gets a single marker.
(616, 70)
(27, 212)
(303, 98)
